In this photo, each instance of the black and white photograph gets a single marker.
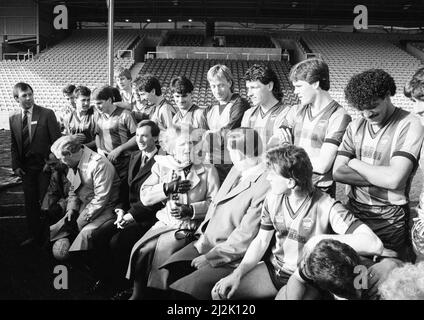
(211, 156)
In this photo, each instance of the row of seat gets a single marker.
(349, 54)
(89, 45)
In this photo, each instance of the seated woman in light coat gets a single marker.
(187, 186)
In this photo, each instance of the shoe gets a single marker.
(123, 295)
(28, 242)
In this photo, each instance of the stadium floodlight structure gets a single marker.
(110, 6)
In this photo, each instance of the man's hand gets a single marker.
(19, 172)
(378, 272)
(119, 216)
(127, 219)
(200, 262)
(81, 137)
(69, 214)
(182, 211)
(226, 287)
(114, 154)
(177, 186)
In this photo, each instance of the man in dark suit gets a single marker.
(33, 131)
(115, 239)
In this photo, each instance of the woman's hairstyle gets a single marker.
(169, 137)
(265, 75)
(364, 88)
(414, 88)
(222, 72)
(245, 140)
(291, 162)
(404, 283)
(311, 71)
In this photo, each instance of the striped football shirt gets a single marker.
(402, 136)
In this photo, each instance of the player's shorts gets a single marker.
(389, 223)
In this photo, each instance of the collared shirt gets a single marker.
(311, 132)
(29, 117)
(263, 121)
(318, 214)
(84, 123)
(149, 154)
(115, 129)
(401, 135)
(194, 116)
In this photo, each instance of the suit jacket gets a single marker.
(136, 177)
(94, 192)
(232, 220)
(44, 131)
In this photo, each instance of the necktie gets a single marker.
(26, 142)
(143, 161)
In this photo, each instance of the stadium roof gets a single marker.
(405, 13)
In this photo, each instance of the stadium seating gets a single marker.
(248, 41)
(89, 45)
(184, 40)
(80, 59)
(349, 54)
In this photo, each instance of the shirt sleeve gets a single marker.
(409, 140)
(347, 147)
(342, 221)
(266, 222)
(291, 116)
(130, 122)
(337, 127)
(236, 113)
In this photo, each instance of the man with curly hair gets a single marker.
(376, 159)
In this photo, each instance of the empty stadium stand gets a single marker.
(185, 40)
(248, 41)
(349, 54)
(80, 59)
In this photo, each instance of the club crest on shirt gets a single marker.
(280, 222)
(307, 224)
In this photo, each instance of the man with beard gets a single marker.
(376, 159)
